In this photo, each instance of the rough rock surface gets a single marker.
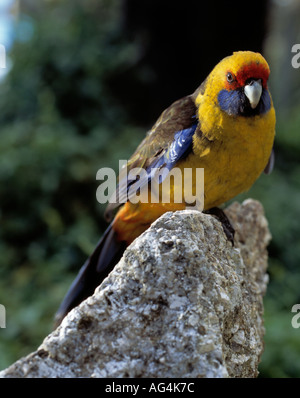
(182, 302)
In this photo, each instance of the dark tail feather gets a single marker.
(106, 255)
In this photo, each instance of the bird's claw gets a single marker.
(227, 227)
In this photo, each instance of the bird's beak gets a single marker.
(253, 92)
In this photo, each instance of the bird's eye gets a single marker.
(230, 78)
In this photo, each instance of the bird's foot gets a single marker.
(227, 227)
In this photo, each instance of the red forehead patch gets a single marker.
(253, 70)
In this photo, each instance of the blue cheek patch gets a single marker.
(230, 101)
(235, 102)
(265, 101)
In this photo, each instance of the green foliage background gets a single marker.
(60, 123)
(58, 126)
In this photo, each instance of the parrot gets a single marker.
(226, 127)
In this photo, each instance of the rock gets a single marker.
(182, 302)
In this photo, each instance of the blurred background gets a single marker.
(84, 80)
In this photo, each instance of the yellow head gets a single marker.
(238, 85)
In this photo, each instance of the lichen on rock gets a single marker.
(182, 302)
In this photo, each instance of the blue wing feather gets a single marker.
(179, 148)
(181, 144)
